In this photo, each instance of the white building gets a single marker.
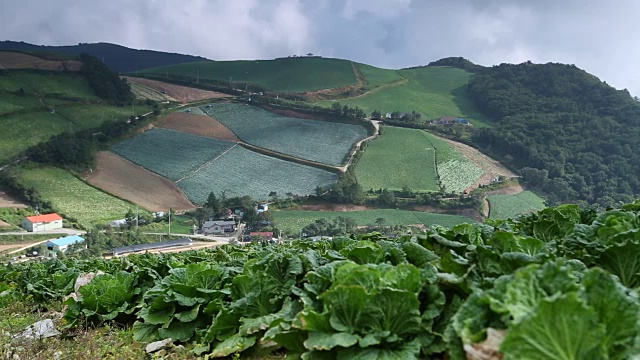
(42, 222)
(218, 227)
(62, 244)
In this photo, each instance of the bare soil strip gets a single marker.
(195, 124)
(492, 168)
(129, 181)
(4, 224)
(15, 60)
(181, 93)
(8, 202)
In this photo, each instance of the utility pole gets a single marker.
(136, 218)
(169, 221)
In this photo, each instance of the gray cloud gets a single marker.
(596, 35)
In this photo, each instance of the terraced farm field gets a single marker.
(72, 197)
(456, 171)
(321, 141)
(292, 221)
(431, 91)
(510, 206)
(166, 91)
(23, 130)
(283, 75)
(400, 157)
(243, 172)
(169, 153)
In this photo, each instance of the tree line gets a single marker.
(105, 82)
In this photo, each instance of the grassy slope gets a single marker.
(293, 221)
(376, 76)
(431, 91)
(284, 75)
(510, 206)
(73, 197)
(25, 120)
(400, 157)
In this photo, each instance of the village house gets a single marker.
(261, 235)
(218, 227)
(63, 243)
(42, 222)
(450, 120)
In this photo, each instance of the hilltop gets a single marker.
(117, 57)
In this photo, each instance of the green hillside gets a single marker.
(35, 105)
(300, 74)
(510, 206)
(431, 91)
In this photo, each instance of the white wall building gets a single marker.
(42, 222)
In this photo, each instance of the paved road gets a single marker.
(56, 231)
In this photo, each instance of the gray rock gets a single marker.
(158, 345)
(39, 330)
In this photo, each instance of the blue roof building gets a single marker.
(63, 243)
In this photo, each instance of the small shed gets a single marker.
(42, 222)
(63, 243)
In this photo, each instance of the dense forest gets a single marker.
(106, 83)
(118, 58)
(568, 133)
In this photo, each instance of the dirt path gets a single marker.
(376, 124)
(7, 201)
(182, 93)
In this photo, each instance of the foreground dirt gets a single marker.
(181, 93)
(124, 179)
(491, 168)
(4, 224)
(198, 125)
(8, 202)
(14, 60)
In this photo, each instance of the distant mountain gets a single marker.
(118, 58)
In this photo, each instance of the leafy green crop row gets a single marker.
(558, 284)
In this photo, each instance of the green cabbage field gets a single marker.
(242, 172)
(170, 153)
(561, 283)
(321, 141)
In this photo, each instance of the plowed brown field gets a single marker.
(181, 93)
(198, 125)
(122, 178)
(15, 60)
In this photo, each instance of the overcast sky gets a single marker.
(596, 35)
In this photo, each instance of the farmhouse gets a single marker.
(62, 244)
(218, 227)
(42, 222)
(262, 208)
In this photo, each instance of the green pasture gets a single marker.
(300, 74)
(400, 157)
(292, 221)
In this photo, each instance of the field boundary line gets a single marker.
(205, 164)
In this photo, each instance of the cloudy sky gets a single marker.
(596, 35)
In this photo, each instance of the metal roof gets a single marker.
(217, 222)
(44, 218)
(68, 240)
(151, 246)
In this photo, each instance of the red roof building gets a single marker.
(264, 234)
(42, 222)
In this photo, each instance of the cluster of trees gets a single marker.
(345, 191)
(105, 82)
(458, 62)
(28, 195)
(569, 134)
(222, 207)
(347, 111)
